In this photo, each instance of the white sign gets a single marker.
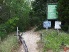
(57, 24)
(47, 24)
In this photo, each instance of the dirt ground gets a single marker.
(31, 38)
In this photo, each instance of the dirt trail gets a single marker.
(31, 38)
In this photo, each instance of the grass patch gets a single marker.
(52, 41)
(9, 44)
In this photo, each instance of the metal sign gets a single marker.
(57, 24)
(47, 24)
(52, 13)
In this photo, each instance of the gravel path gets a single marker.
(31, 38)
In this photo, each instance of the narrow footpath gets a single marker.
(31, 38)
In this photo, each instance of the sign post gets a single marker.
(17, 32)
(47, 24)
(57, 25)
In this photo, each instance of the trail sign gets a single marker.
(51, 13)
(57, 24)
(47, 24)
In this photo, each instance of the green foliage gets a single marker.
(13, 9)
(63, 12)
(9, 26)
(14, 13)
(39, 8)
(20, 9)
(2, 35)
(9, 44)
(4, 13)
(65, 27)
(53, 41)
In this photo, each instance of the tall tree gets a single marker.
(16, 8)
(39, 8)
(4, 11)
(63, 13)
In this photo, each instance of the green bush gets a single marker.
(24, 23)
(11, 24)
(39, 11)
(8, 27)
(9, 44)
(65, 27)
(2, 35)
(53, 41)
(63, 13)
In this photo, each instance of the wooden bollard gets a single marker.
(41, 36)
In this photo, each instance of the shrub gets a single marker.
(53, 41)
(9, 44)
(8, 27)
(2, 32)
(11, 24)
(2, 35)
(63, 13)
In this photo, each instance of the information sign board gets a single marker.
(57, 24)
(52, 13)
(47, 24)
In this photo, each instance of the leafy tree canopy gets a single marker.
(63, 12)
